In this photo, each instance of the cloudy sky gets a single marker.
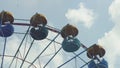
(97, 20)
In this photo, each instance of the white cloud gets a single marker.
(111, 40)
(82, 14)
(114, 11)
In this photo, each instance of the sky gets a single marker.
(96, 20)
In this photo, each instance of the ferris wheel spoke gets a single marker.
(26, 54)
(52, 57)
(19, 46)
(3, 52)
(25, 46)
(43, 50)
(71, 59)
(80, 58)
(86, 63)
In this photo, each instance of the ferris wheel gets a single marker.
(38, 45)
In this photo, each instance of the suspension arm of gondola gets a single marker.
(44, 50)
(52, 57)
(71, 59)
(19, 46)
(3, 52)
(26, 54)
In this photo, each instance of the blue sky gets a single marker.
(97, 20)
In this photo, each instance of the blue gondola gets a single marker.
(71, 44)
(39, 34)
(102, 64)
(6, 30)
